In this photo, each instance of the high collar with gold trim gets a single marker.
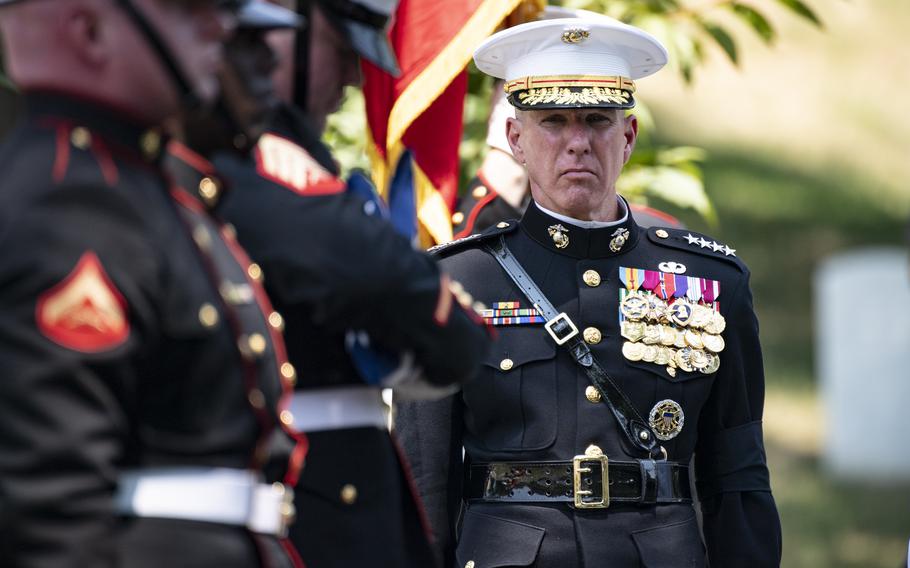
(577, 242)
(124, 135)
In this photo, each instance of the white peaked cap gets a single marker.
(608, 48)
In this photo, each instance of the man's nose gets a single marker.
(579, 140)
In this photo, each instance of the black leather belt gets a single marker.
(587, 482)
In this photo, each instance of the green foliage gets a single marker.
(671, 176)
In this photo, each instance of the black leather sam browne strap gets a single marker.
(565, 334)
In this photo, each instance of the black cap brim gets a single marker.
(372, 44)
(261, 15)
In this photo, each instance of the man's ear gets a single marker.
(630, 132)
(84, 31)
(513, 135)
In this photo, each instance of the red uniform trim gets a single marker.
(105, 161)
(478, 207)
(669, 219)
(197, 162)
(329, 186)
(62, 156)
(444, 302)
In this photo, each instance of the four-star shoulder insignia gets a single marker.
(289, 165)
(459, 244)
(84, 312)
(689, 241)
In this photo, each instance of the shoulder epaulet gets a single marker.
(690, 241)
(450, 247)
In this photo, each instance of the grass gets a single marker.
(784, 221)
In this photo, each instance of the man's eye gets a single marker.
(597, 118)
(554, 118)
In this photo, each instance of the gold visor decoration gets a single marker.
(564, 96)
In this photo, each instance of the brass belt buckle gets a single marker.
(549, 327)
(592, 454)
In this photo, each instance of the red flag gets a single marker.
(421, 110)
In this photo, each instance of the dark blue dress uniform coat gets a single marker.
(534, 408)
(329, 268)
(117, 349)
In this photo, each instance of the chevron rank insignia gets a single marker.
(289, 165)
(84, 312)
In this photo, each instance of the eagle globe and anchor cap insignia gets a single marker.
(84, 312)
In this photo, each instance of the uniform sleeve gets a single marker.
(430, 435)
(66, 375)
(740, 519)
(351, 271)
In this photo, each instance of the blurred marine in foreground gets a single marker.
(350, 291)
(140, 379)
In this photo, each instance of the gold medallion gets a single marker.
(560, 235)
(680, 341)
(632, 330)
(650, 353)
(633, 351)
(664, 354)
(713, 342)
(657, 308)
(701, 316)
(667, 419)
(717, 324)
(667, 335)
(634, 306)
(652, 335)
(693, 339)
(682, 359)
(713, 364)
(699, 359)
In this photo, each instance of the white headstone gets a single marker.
(862, 339)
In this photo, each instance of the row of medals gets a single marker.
(682, 335)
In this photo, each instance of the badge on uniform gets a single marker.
(510, 313)
(671, 320)
(85, 312)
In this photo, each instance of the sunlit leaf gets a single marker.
(671, 185)
(723, 39)
(800, 8)
(755, 20)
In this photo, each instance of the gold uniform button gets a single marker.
(592, 335)
(506, 364)
(592, 394)
(202, 237)
(502, 225)
(661, 233)
(591, 278)
(254, 271)
(208, 315)
(150, 143)
(349, 494)
(276, 321)
(257, 343)
(457, 218)
(81, 138)
(469, 564)
(479, 192)
(209, 190)
(286, 417)
(256, 399)
(288, 373)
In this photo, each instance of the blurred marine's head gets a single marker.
(150, 58)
